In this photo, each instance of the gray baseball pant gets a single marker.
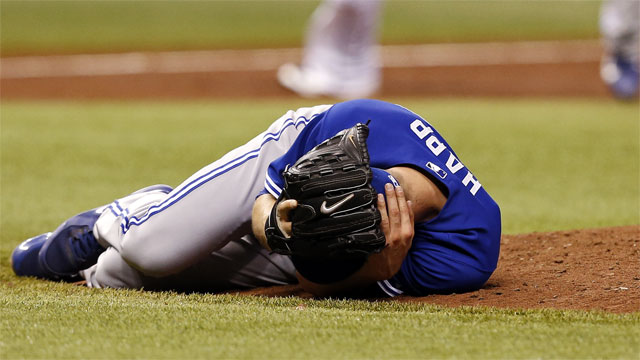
(198, 236)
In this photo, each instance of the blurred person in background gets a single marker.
(620, 29)
(341, 58)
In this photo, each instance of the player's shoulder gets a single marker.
(369, 105)
(370, 109)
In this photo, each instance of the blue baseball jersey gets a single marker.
(455, 251)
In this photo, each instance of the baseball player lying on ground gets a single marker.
(359, 196)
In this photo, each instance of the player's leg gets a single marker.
(60, 254)
(206, 211)
(160, 234)
(111, 271)
(240, 264)
(340, 57)
(620, 29)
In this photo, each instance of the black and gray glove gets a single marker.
(336, 215)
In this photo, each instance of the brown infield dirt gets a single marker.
(593, 269)
(540, 80)
(596, 269)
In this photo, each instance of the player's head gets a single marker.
(323, 270)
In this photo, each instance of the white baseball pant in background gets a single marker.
(620, 28)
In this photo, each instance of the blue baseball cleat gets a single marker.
(71, 247)
(24, 259)
(621, 75)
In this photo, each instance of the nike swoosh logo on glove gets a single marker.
(327, 210)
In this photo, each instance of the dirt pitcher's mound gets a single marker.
(578, 269)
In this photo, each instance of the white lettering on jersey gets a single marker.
(432, 142)
(420, 129)
(435, 145)
(453, 164)
(469, 178)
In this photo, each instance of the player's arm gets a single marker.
(397, 225)
(261, 210)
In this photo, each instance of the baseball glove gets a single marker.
(336, 216)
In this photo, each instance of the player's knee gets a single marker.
(147, 260)
(113, 272)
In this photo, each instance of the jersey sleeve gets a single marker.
(306, 140)
(431, 272)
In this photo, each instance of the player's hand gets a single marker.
(398, 227)
(283, 217)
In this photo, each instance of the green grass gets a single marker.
(550, 164)
(48, 320)
(455, 21)
(107, 26)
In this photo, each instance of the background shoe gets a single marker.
(292, 77)
(311, 84)
(24, 258)
(621, 76)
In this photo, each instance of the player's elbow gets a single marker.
(460, 278)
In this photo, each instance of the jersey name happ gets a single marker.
(454, 165)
